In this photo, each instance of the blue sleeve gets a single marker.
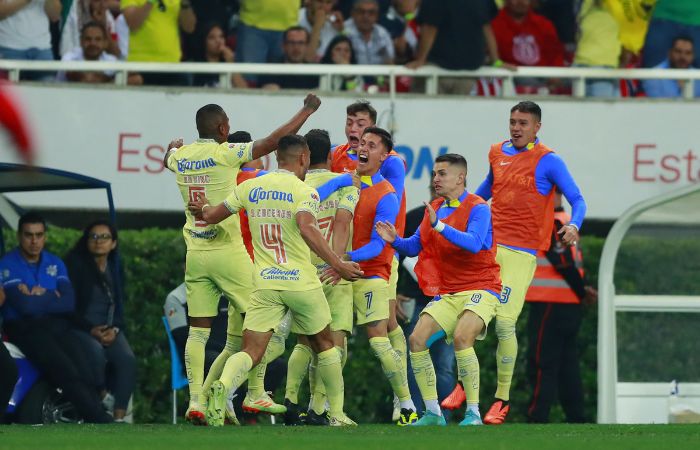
(394, 171)
(408, 246)
(41, 305)
(261, 173)
(484, 190)
(387, 210)
(558, 174)
(474, 238)
(654, 88)
(326, 189)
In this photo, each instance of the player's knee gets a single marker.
(416, 342)
(505, 329)
(465, 339)
(256, 354)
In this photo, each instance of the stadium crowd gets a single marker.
(452, 34)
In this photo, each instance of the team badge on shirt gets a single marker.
(52, 270)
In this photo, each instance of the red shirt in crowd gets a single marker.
(532, 42)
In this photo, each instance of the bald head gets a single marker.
(212, 123)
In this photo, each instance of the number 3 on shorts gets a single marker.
(368, 296)
(505, 295)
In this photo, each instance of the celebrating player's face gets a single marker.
(355, 125)
(523, 128)
(371, 154)
(448, 179)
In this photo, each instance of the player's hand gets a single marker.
(177, 143)
(195, 206)
(356, 180)
(591, 295)
(38, 290)
(348, 270)
(431, 213)
(387, 231)
(312, 102)
(330, 276)
(569, 234)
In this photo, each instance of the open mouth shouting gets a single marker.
(354, 141)
(363, 157)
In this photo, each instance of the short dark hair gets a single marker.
(208, 119)
(319, 143)
(528, 107)
(289, 142)
(452, 159)
(93, 24)
(296, 28)
(383, 134)
(239, 137)
(682, 37)
(363, 106)
(30, 217)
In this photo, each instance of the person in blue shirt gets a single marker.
(39, 314)
(680, 56)
(8, 369)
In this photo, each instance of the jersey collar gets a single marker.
(529, 146)
(368, 181)
(205, 141)
(455, 202)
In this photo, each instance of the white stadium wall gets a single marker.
(619, 152)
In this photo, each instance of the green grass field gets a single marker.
(367, 437)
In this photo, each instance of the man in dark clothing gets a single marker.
(39, 315)
(294, 45)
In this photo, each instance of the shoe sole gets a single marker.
(216, 409)
(197, 418)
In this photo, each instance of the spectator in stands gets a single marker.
(261, 31)
(213, 49)
(371, 42)
(454, 35)
(80, 13)
(98, 281)
(400, 22)
(633, 16)
(340, 51)
(527, 39)
(671, 18)
(296, 40)
(680, 56)
(39, 317)
(598, 46)
(562, 14)
(93, 41)
(24, 31)
(8, 369)
(154, 34)
(208, 12)
(322, 23)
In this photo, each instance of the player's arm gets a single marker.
(474, 237)
(484, 189)
(172, 147)
(394, 171)
(343, 181)
(201, 209)
(406, 247)
(387, 210)
(558, 174)
(342, 222)
(268, 144)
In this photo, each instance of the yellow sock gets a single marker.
(468, 373)
(194, 360)
(256, 378)
(297, 366)
(332, 376)
(506, 353)
(424, 372)
(398, 343)
(233, 346)
(236, 370)
(391, 364)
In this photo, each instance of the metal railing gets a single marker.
(578, 76)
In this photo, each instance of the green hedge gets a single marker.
(153, 260)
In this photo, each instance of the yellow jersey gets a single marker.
(282, 258)
(207, 168)
(344, 198)
(158, 38)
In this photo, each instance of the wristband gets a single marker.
(205, 205)
(439, 226)
(498, 63)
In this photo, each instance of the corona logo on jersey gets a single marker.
(184, 164)
(258, 194)
(275, 273)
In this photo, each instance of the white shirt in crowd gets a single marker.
(27, 28)
(77, 55)
(70, 34)
(377, 50)
(328, 32)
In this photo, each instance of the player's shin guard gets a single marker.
(233, 346)
(506, 354)
(236, 370)
(194, 360)
(468, 374)
(391, 364)
(398, 343)
(256, 378)
(331, 373)
(424, 371)
(297, 366)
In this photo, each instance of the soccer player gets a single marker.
(457, 265)
(378, 203)
(335, 221)
(216, 258)
(282, 215)
(521, 182)
(359, 116)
